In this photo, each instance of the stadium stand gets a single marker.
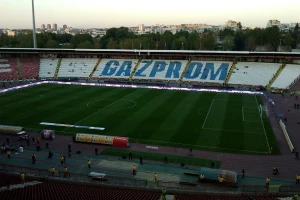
(287, 76)
(253, 73)
(8, 69)
(47, 67)
(76, 67)
(115, 68)
(185, 197)
(207, 71)
(65, 191)
(160, 69)
(19, 68)
(30, 67)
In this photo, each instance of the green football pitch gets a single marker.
(199, 120)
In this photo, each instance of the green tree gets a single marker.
(207, 41)
(228, 43)
(85, 45)
(239, 40)
(272, 37)
(225, 32)
(51, 44)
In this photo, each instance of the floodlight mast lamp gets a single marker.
(33, 22)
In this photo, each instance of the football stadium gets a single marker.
(148, 124)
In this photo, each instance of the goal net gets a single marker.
(263, 111)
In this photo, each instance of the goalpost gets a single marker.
(263, 111)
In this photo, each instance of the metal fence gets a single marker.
(113, 180)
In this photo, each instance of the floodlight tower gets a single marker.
(33, 21)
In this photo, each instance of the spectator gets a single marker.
(65, 172)
(61, 160)
(141, 160)
(33, 158)
(52, 171)
(8, 153)
(165, 160)
(155, 177)
(133, 170)
(50, 154)
(268, 180)
(212, 164)
(221, 180)
(22, 178)
(201, 178)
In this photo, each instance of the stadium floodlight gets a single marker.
(33, 21)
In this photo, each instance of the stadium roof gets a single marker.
(130, 52)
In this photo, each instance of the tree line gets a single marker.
(268, 39)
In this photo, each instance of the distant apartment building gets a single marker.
(12, 33)
(49, 26)
(65, 26)
(141, 27)
(273, 22)
(43, 26)
(231, 23)
(54, 26)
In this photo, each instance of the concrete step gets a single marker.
(20, 185)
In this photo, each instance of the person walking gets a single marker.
(89, 163)
(133, 170)
(201, 178)
(141, 160)
(33, 158)
(243, 173)
(165, 160)
(62, 160)
(22, 178)
(155, 177)
(8, 153)
(268, 180)
(65, 172)
(297, 179)
(52, 171)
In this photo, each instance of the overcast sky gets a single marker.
(116, 13)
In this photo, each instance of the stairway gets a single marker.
(57, 68)
(186, 67)
(19, 67)
(230, 72)
(134, 70)
(268, 86)
(95, 68)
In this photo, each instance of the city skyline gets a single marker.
(94, 14)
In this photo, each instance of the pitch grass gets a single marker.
(160, 157)
(199, 120)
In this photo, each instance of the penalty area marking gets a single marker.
(125, 108)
